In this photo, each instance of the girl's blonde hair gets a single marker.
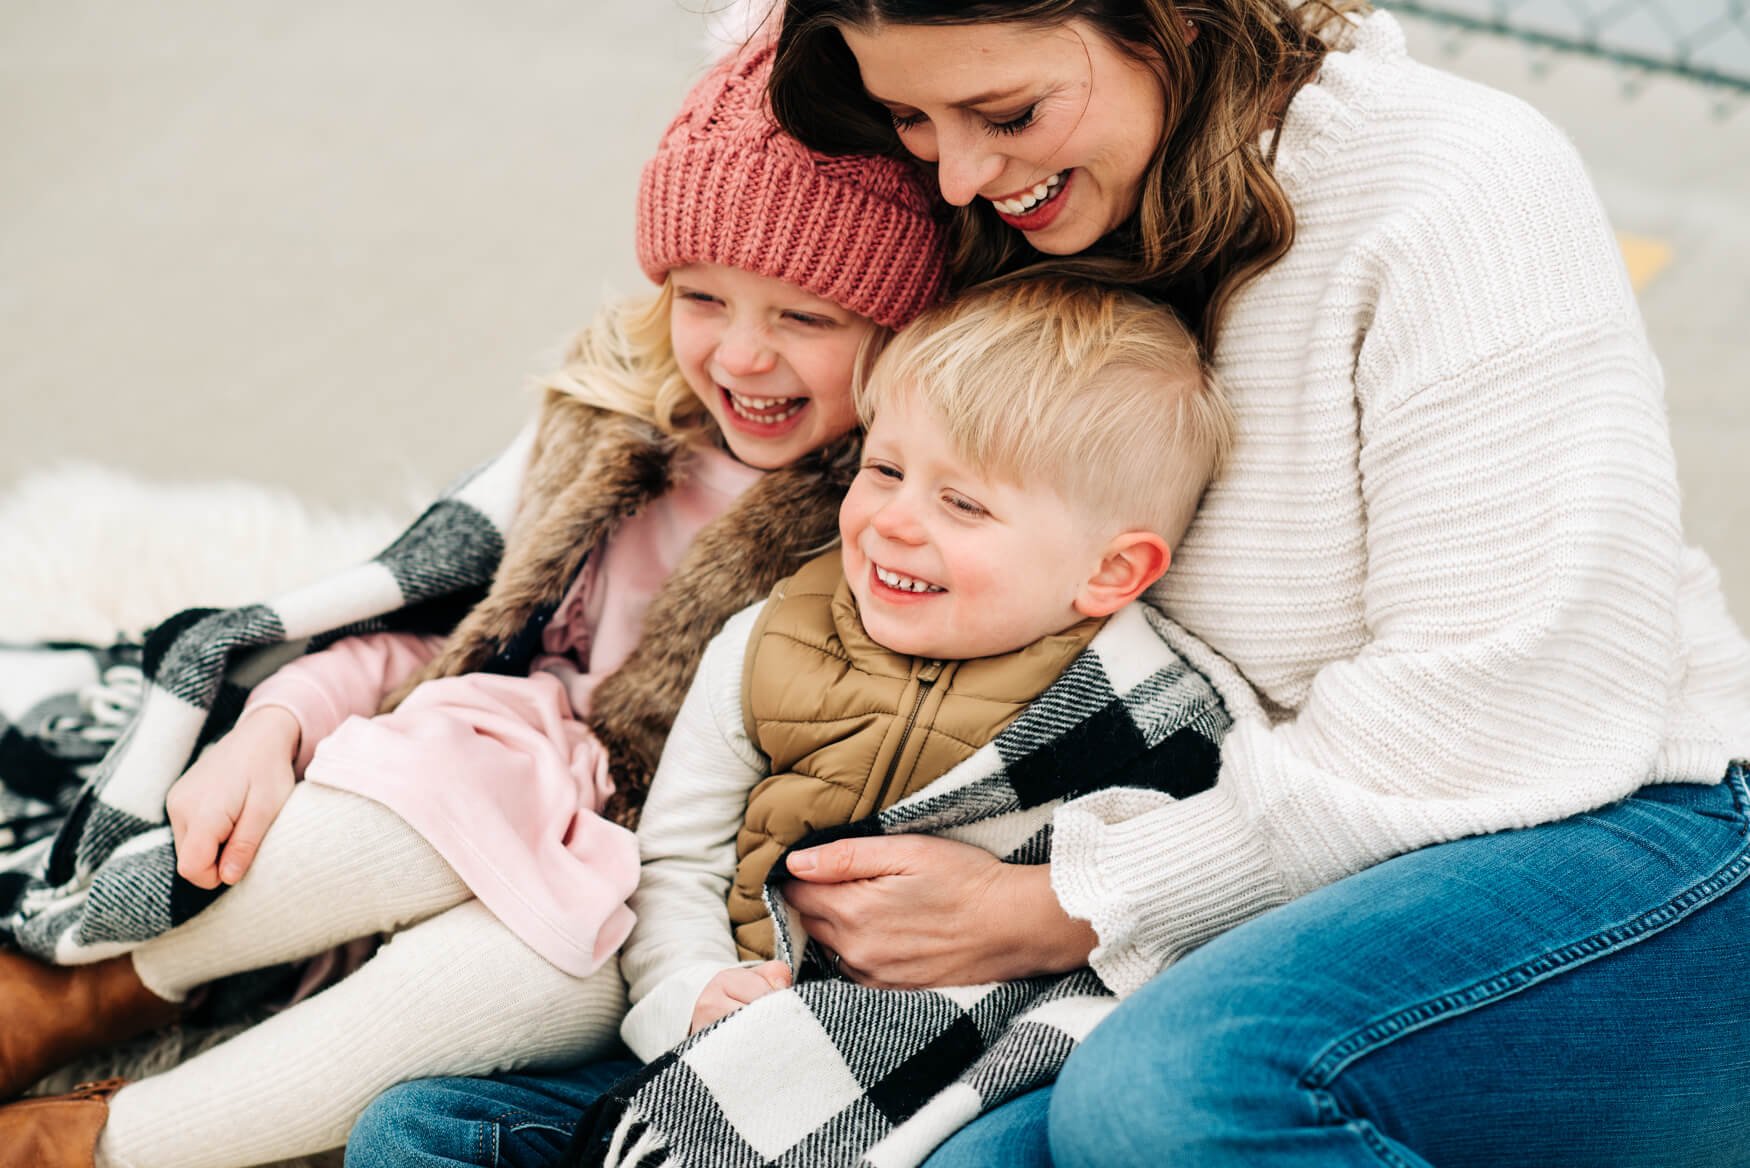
(1093, 391)
(624, 361)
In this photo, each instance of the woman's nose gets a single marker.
(965, 166)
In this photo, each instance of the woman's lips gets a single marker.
(1040, 217)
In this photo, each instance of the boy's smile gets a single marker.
(949, 563)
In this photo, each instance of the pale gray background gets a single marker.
(324, 244)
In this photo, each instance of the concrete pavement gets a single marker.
(323, 245)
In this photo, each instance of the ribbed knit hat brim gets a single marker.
(729, 187)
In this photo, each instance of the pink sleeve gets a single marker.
(352, 676)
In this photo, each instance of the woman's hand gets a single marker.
(910, 911)
(231, 795)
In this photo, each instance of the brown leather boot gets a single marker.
(53, 1014)
(56, 1131)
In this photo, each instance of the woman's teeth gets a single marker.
(1027, 200)
(765, 410)
(904, 583)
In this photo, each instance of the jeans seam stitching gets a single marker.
(1325, 1068)
(1331, 1111)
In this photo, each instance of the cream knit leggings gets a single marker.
(452, 993)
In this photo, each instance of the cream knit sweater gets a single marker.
(1447, 554)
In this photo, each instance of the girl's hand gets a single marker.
(231, 795)
(911, 911)
(734, 988)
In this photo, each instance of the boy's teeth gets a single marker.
(904, 583)
(759, 409)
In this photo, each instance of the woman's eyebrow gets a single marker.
(965, 102)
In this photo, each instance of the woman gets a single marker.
(1447, 554)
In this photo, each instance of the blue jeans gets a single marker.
(1575, 994)
(522, 1120)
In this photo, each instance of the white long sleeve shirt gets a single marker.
(1447, 552)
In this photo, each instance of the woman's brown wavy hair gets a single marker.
(1211, 215)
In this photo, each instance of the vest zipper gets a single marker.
(927, 676)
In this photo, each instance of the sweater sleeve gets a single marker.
(686, 842)
(1522, 547)
(349, 678)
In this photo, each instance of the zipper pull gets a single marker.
(929, 671)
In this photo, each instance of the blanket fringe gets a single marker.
(636, 1144)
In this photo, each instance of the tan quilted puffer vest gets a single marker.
(851, 728)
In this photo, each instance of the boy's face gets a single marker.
(945, 562)
(771, 362)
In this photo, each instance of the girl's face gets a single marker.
(1054, 125)
(771, 362)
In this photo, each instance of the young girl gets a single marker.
(482, 816)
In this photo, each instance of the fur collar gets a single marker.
(590, 470)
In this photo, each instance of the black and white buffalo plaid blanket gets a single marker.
(833, 1073)
(87, 865)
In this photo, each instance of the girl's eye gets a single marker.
(697, 297)
(1016, 124)
(812, 321)
(904, 122)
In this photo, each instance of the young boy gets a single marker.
(1035, 450)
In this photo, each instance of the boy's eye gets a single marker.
(884, 469)
(1015, 124)
(964, 505)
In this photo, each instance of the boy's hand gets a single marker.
(734, 988)
(231, 795)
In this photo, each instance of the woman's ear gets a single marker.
(1130, 563)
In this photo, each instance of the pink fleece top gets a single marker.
(500, 773)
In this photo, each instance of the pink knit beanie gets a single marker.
(727, 186)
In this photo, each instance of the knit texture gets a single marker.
(727, 186)
(336, 867)
(457, 994)
(1447, 551)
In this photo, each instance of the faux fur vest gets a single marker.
(590, 470)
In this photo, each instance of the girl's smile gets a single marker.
(771, 362)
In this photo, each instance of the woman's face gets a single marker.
(1054, 125)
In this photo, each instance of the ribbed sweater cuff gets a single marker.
(664, 1016)
(1157, 877)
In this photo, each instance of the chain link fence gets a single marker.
(1705, 41)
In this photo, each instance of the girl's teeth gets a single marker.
(904, 583)
(758, 409)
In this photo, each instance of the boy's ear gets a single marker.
(1130, 563)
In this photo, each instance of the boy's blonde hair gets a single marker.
(1091, 390)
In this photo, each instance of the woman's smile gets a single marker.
(1054, 131)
